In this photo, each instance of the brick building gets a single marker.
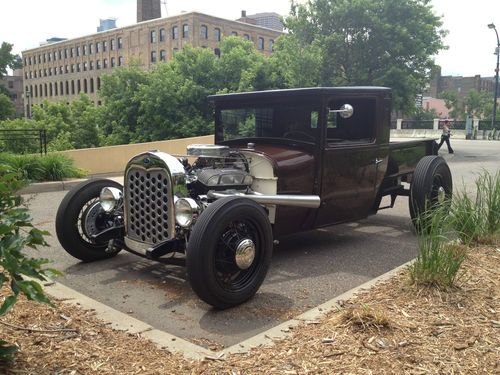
(14, 85)
(60, 71)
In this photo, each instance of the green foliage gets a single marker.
(371, 42)
(17, 233)
(51, 167)
(451, 102)
(7, 109)
(477, 219)
(439, 261)
(476, 103)
(7, 59)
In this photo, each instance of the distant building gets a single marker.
(60, 71)
(14, 85)
(106, 24)
(459, 84)
(438, 105)
(148, 10)
(270, 20)
(54, 39)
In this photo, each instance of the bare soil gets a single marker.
(394, 328)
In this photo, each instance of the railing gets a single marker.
(23, 140)
(417, 124)
(486, 125)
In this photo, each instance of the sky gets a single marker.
(26, 23)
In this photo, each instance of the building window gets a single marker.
(112, 62)
(153, 56)
(61, 88)
(234, 33)
(77, 51)
(72, 52)
(163, 55)
(104, 63)
(162, 35)
(72, 87)
(65, 53)
(261, 44)
(11, 85)
(120, 42)
(217, 52)
(78, 67)
(67, 88)
(271, 45)
(91, 85)
(203, 32)
(84, 50)
(91, 49)
(50, 71)
(98, 64)
(55, 89)
(104, 45)
(152, 36)
(120, 60)
(91, 65)
(217, 34)
(185, 31)
(98, 83)
(84, 66)
(61, 71)
(55, 55)
(175, 32)
(49, 57)
(39, 59)
(36, 91)
(246, 37)
(78, 86)
(85, 85)
(98, 47)
(112, 44)
(50, 89)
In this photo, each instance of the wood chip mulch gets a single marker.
(393, 328)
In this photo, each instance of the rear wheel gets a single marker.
(431, 185)
(229, 252)
(80, 216)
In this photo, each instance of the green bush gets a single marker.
(16, 233)
(477, 219)
(439, 261)
(51, 167)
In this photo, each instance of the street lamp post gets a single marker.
(492, 26)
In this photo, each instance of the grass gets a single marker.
(439, 260)
(51, 167)
(477, 219)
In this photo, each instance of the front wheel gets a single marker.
(229, 252)
(431, 186)
(80, 216)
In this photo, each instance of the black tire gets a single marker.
(431, 174)
(70, 228)
(211, 262)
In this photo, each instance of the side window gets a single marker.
(360, 127)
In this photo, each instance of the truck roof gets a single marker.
(312, 91)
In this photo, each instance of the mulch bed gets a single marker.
(393, 328)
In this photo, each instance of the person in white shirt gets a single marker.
(445, 137)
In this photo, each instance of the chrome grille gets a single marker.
(147, 205)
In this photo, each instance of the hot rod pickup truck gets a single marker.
(283, 161)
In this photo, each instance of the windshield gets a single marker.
(295, 121)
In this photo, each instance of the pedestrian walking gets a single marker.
(445, 137)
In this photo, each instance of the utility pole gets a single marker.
(497, 52)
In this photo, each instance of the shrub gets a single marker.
(477, 219)
(17, 232)
(439, 261)
(51, 167)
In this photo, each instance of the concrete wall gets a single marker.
(114, 158)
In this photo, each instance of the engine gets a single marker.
(216, 168)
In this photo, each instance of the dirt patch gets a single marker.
(393, 328)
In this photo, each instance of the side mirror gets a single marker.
(345, 111)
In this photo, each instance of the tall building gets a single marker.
(106, 24)
(148, 10)
(60, 71)
(270, 20)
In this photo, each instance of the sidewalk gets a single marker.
(51, 186)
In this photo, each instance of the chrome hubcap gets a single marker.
(245, 254)
(441, 194)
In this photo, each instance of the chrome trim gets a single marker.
(307, 201)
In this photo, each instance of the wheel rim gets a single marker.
(92, 220)
(439, 190)
(237, 256)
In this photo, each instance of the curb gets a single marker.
(165, 340)
(51, 186)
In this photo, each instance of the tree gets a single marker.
(451, 102)
(476, 103)
(7, 109)
(371, 42)
(7, 59)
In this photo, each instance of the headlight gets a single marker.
(185, 209)
(110, 198)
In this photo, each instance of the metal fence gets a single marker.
(23, 141)
(486, 125)
(417, 124)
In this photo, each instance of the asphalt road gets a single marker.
(307, 269)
